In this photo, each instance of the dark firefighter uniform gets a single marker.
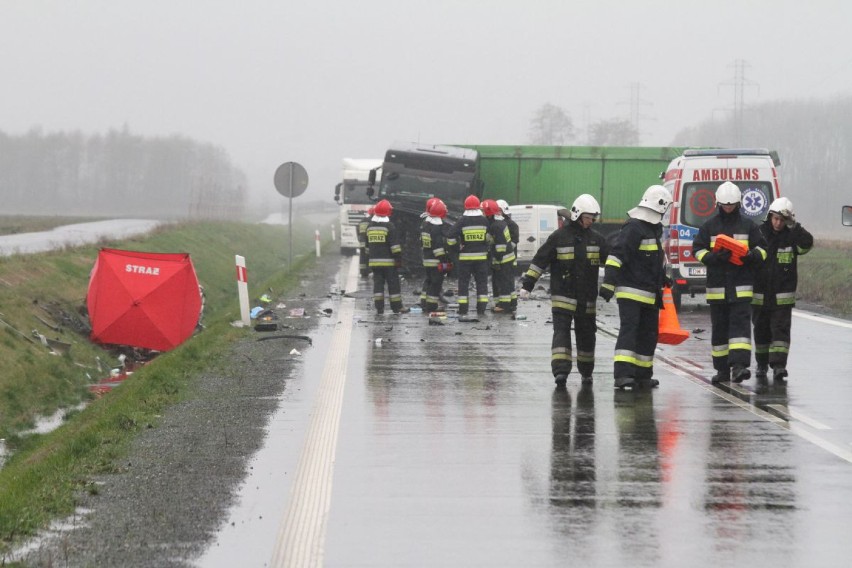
(730, 288)
(635, 272)
(515, 237)
(435, 260)
(574, 256)
(502, 262)
(470, 231)
(362, 245)
(775, 292)
(385, 254)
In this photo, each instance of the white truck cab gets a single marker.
(692, 179)
(352, 196)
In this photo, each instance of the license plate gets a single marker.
(698, 271)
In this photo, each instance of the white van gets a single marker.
(535, 224)
(692, 180)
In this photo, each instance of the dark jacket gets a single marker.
(728, 282)
(635, 268)
(383, 244)
(470, 232)
(433, 243)
(574, 256)
(502, 248)
(776, 280)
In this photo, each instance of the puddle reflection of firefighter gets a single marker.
(639, 472)
(572, 461)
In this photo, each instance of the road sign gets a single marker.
(291, 179)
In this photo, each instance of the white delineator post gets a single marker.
(317, 239)
(333, 234)
(242, 289)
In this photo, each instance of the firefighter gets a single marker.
(424, 222)
(436, 261)
(515, 234)
(574, 254)
(362, 242)
(502, 253)
(635, 275)
(385, 255)
(775, 288)
(730, 286)
(470, 233)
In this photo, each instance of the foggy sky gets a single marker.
(317, 80)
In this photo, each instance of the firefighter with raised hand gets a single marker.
(362, 242)
(574, 254)
(502, 255)
(436, 260)
(635, 275)
(775, 288)
(730, 283)
(470, 233)
(515, 235)
(385, 255)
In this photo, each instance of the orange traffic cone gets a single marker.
(670, 332)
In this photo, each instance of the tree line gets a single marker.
(118, 174)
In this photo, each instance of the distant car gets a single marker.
(535, 224)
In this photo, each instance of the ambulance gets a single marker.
(692, 179)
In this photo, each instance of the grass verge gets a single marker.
(39, 481)
(825, 277)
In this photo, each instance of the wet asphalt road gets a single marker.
(450, 446)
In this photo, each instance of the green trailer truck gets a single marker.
(616, 176)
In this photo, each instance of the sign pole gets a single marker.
(290, 221)
(242, 290)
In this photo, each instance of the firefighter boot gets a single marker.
(740, 374)
(647, 384)
(779, 373)
(624, 382)
(586, 379)
(762, 369)
(561, 379)
(721, 377)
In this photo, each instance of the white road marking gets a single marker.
(301, 535)
(822, 319)
(791, 413)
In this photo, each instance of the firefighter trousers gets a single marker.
(772, 335)
(502, 286)
(389, 275)
(730, 338)
(585, 330)
(479, 270)
(637, 340)
(432, 289)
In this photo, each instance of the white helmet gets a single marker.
(504, 207)
(728, 194)
(585, 204)
(784, 207)
(654, 203)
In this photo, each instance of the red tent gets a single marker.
(143, 299)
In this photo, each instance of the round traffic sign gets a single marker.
(291, 179)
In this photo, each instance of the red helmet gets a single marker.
(429, 203)
(490, 207)
(437, 208)
(472, 202)
(383, 208)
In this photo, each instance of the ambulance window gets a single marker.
(699, 201)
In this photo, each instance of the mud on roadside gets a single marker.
(175, 486)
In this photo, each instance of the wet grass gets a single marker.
(14, 224)
(825, 277)
(39, 480)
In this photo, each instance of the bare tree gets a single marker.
(613, 132)
(551, 126)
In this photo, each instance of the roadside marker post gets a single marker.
(333, 234)
(317, 239)
(242, 289)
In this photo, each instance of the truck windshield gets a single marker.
(414, 189)
(355, 193)
(699, 201)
